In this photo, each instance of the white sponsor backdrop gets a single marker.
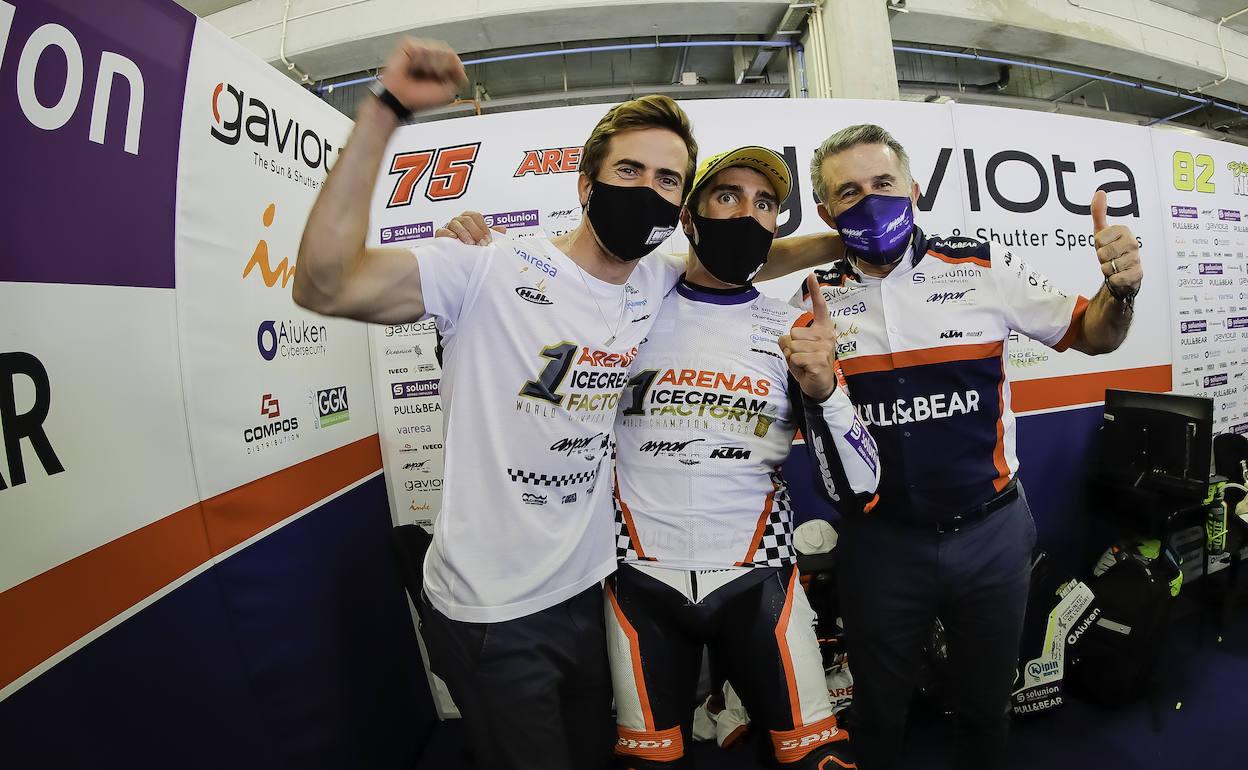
(1204, 188)
(1028, 178)
(1021, 179)
(257, 368)
(115, 421)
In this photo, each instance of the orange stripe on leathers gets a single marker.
(634, 648)
(758, 531)
(786, 659)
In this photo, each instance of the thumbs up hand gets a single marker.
(1117, 249)
(811, 351)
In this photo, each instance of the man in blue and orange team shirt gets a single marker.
(704, 533)
(924, 324)
(538, 338)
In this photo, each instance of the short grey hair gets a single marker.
(846, 138)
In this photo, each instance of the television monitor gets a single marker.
(1158, 441)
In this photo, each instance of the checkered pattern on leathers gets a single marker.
(775, 549)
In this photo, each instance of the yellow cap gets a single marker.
(760, 159)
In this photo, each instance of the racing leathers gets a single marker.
(704, 532)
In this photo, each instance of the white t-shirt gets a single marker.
(531, 380)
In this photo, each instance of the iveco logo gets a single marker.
(529, 294)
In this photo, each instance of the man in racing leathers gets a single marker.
(703, 521)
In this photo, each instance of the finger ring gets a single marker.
(1114, 264)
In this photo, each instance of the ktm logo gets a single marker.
(558, 160)
(285, 269)
(452, 170)
(269, 406)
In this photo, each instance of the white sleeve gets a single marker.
(449, 271)
(1032, 305)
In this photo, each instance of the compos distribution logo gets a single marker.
(284, 271)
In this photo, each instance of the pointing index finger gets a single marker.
(818, 305)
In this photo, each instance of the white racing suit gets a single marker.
(704, 531)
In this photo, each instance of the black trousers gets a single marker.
(534, 692)
(894, 582)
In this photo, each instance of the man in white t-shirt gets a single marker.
(538, 337)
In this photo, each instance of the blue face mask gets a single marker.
(877, 229)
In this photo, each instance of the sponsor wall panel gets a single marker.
(406, 377)
(115, 451)
(1028, 179)
(1204, 191)
(90, 399)
(89, 116)
(406, 380)
(268, 384)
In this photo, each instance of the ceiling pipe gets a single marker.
(290, 65)
(1202, 101)
(1226, 67)
(590, 49)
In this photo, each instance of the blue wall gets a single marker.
(297, 652)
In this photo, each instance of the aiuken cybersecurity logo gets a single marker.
(235, 115)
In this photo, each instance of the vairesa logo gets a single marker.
(68, 82)
(263, 126)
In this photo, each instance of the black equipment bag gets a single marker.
(1114, 659)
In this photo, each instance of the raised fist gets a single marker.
(423, 74)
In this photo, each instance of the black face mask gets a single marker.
(630, 221)
(733, 250)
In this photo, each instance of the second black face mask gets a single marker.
(733, 250)
(630, 221)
